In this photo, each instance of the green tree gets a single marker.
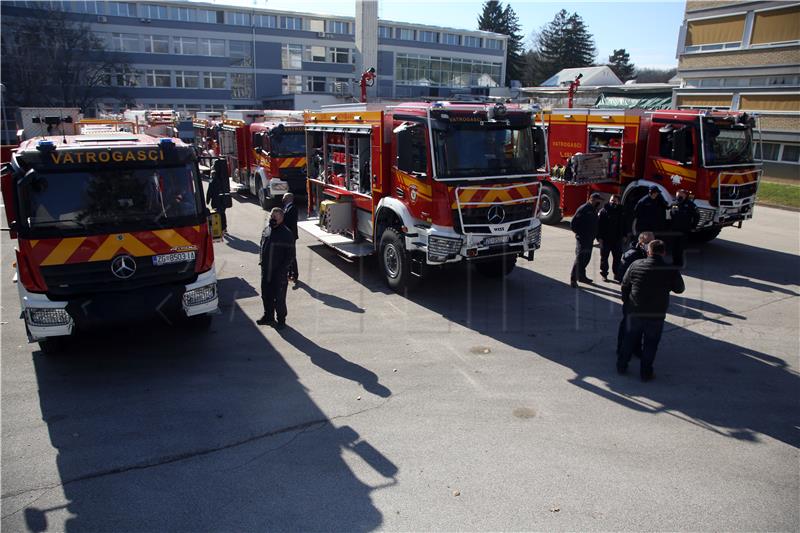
(620, 63)
(501, 19)
(565, 42)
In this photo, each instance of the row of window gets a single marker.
(241, 52)
(294, 84)
(240, 84)
(754, 29)
(413, 69)
(293, 55)
(427, 36)
(755, 81)
(785, 153)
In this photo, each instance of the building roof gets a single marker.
(592, 76)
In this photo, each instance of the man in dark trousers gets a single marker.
(684, 216)
(215, 196)
(277, 253)
(645, 290)
(584, 225)
(638, 250)
(650, 213)
(610, 231)
(290, 220)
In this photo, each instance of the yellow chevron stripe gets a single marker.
(63, 251)
(33, 243)
(113, 244)
(171, 237)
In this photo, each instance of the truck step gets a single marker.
(341, 243)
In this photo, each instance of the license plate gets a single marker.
(279, 186)
(500, 239)
(178, 257)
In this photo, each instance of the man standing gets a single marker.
(290, 220)
(216, 197)
(584, 225)
(277, 253)
(650, 212)
(610, 230)
(638, 250)
(683, 218)
(645, 290)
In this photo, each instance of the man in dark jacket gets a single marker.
(638, 250)
(683, 218)
(610, 231)
(645, 290)
(290, 220)
(277, 253)
(584, 225)
(215, 196)
(650, 213)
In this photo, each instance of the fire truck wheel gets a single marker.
(263, 201)
(705, 235)
(549, 209)
(496, 268)
(394, 260)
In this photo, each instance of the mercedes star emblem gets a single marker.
(123, 266)
(496, 214)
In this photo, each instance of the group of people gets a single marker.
(645, 277)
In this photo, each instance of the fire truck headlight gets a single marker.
(200, 295)
(48, 317)
(706, 217)
(534, 237)
(440, 248)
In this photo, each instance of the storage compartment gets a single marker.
(336, 216)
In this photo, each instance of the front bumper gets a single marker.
(49, 318)
(724, 215)
(443, 245)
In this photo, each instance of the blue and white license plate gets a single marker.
(177, 257)
(500, 239)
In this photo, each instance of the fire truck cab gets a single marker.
(709, 154)
(424, 184)
(110, 228)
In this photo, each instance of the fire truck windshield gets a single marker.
(288, 144)
(467, 150)
(110, 198)
(725, 145)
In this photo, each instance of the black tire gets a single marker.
(549, 205)
(263, 201)
(496, 268)
(705, 234)
(52, 345)
(200, 322)
(395, 262)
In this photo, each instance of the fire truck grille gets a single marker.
(736, 192)
(66, 281)
(476, 220)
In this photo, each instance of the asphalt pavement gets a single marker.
(467, 404)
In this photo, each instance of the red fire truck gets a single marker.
(424, 184)
(710, 154)
(265, 152)
(109, 228)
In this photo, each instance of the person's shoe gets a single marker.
(280, 325)
(586, 280)
(265, 321)
(573, 284)
(605, 277)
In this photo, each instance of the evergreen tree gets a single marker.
(620, 63)
(563, 43)
(503, 20)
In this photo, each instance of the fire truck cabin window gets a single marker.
(288, 144)
(675, 142)
(411, 150)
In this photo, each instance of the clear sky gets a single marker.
(648, 30)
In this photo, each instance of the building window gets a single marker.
(241, 85)
(791, 153)
(428, 36)
(777, 103)
(238, 18)
(291, 23)
(337, 26)
(214, 80)
(315, 54)
(156, 44)
(770, 151)
(129, 78)
(291, 84)
(87, 7)
(158, 78)
(472, 42)
(210, 16)
(212, 47)
(316, 84)
(384, 32)
(150, 11)
(292, 56)
(494, 44)
(776, 26)
(404, 34)
(124, 42)
(121, 9)
(451, 38)
(412, 69)
(241, 53)
(184, 14)
(339, 55)
(714, 34)
(184, 46)
(187, 79)
(266, 21)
